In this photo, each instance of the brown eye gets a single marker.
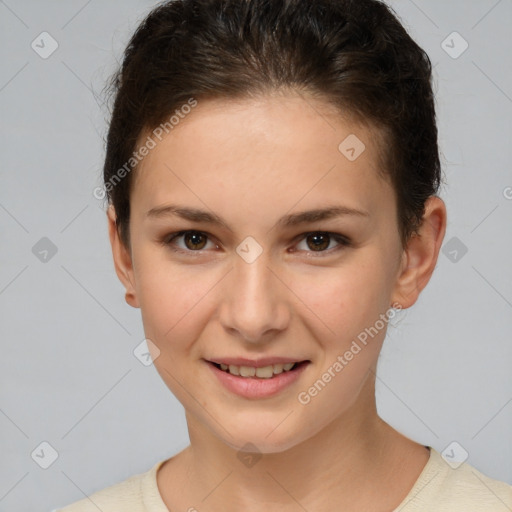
(323, 243)
(187, 241)
(194, 240)
(318, 241)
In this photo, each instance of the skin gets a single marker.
(252, 162)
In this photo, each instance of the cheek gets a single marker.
(346, 299)
(175, 308)
(171, 300)
(350, 302)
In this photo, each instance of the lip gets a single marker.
(254, 387)
(256, 363)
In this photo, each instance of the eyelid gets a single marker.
(342, 241)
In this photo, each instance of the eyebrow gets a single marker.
(294, 219)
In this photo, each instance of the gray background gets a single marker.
(69, 376)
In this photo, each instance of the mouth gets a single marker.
(257, 382)
(262, 372)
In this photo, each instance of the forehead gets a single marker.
(267, 153)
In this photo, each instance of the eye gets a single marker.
(197, 241)
(320, 241)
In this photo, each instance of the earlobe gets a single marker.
(122, 259)
(420, 256)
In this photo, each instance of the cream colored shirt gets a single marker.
(439, 488)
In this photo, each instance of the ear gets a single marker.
(420, 256)
(122, 259)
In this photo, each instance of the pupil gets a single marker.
(194, 238)
(318, 243)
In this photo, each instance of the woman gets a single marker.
(272, 172)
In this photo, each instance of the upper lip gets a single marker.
(257, 363)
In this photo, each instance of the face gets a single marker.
(250, 277)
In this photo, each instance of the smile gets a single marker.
(264, 372)
(257, 382)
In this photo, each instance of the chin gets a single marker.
(262, 439)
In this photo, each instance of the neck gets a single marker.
(352, 459)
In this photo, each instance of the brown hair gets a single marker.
(354, 54)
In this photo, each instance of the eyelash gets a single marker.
(343, 241)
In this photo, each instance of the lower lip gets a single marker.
(255, 387)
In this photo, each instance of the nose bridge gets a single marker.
(253, 302)
(253, 278)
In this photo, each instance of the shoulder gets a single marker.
(452, 488)
(134, 494)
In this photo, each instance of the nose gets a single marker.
(254, 305)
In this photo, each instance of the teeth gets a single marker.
(265, 372)
(246, 371)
